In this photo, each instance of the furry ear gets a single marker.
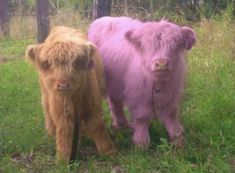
(91, 49)
(189, 37)
(133, 38)
(30, 53)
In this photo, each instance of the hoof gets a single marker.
(178, 141)
(121, 125)
(141, 139)
(108, 151)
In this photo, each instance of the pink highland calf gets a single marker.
(144, 70)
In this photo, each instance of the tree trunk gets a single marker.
(43, 20)
(101, 8)
(196, 10)
(126, 8)
(4, 17)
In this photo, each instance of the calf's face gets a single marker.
(61, 65)
(161, 45)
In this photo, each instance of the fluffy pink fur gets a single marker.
(144, 70)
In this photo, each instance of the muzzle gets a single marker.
(160, 65)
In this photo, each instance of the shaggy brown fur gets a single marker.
(70, 75)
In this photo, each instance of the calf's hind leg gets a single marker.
(96, 130)
(116, 108)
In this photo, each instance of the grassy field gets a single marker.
(207, 113)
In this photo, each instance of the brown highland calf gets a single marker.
(71, 79)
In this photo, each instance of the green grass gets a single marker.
(207, 112)
(13, 48)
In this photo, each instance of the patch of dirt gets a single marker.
(115, 168)
(23, 160)
(118, 169)
(86, 152)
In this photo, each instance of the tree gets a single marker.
(43, 20)
(101, 8)
(4, 17)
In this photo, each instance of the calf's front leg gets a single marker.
(168, 116)
(64, 135)
(141, 117)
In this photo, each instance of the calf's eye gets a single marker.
(45, 65)
(83, 64)
(79, 64)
